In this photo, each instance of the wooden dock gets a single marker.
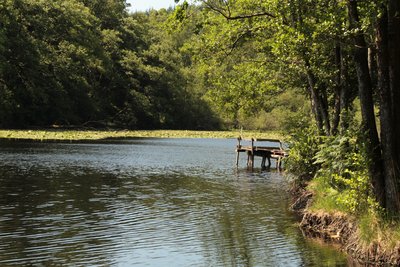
(254, 148)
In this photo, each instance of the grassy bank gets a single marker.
(343, 206)
(76, 135)
(374, 226)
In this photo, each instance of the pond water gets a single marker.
(146, 202)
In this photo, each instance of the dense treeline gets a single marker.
(90, 63)
(343, 56)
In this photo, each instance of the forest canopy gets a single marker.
(91, 63)
(80, 63)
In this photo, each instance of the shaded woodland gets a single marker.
(91, 64)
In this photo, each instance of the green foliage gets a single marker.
(342, 177)
(337, 166)
(286, 111)
(90, 63)
(304, 145)
(246, 64)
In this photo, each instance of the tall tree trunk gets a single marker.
(346, 97)
(315, 101)
(320, 109)
(324, 109)
(319, 101)
(388, 34)
(342, 97)
(338, 89)
(372, 65)
(388, 141)
(394, 50)
(367, 105)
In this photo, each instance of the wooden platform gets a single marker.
(253, 147)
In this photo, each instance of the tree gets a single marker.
(303, 38)
(367, 104)
(387, 41)
(327, 45)
(91, 64)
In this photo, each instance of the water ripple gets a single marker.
(144, 203)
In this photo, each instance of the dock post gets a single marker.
(252, 153)
(279, 163)
(250, 160)
(238, 151)
(266, 156)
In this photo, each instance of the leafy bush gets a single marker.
(337, 167)
(342, 177)
(303, 144)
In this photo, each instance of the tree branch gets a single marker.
(229, 16)
(238, 38)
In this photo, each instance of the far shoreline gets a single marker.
(109, 135)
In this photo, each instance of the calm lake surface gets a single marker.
(146, 202)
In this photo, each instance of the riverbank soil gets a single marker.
(341, 229)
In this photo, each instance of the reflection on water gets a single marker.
(148, 202)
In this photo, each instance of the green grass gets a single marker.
(374, 227)
(75, 135)
(324, 196)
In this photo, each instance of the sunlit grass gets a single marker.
(101, 135)
(374, 227)
(324, 196)
(377, 230)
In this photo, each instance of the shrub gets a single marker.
(303, 144)
(342, 161)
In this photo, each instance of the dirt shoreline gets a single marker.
(340, 229)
